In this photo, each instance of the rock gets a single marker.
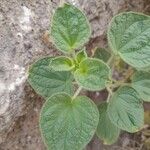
(22, 26)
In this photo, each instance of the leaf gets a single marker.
(47, 82)
(68, 124)
(62, 63)
(106, 130)
(81, 55)
(92, 74)
(141, 83)
(102, 54)
(70, 29)
(125, 109)
(129, 37)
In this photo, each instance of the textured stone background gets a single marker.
(23, 38)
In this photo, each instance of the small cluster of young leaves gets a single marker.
(69, 121)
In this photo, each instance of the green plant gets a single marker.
(69, 121)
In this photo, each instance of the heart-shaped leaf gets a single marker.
(125, 109)
(68, 124)
(46, 81)
(106, 130)
(92, 74)
(141, 83)
(62, 63)
(70, 29)
(129, 37)
(102, 54)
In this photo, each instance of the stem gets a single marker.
(73, 54)
(75, 83)
(109, 93)
(110, 60)
(77, 92)
(93, 51)
(119, 84)
(129, 73)
(123, 82)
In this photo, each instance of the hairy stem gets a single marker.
(73, 54)
(110, 60)
(109, 93)
(77, 92)
(119, 83)
(129, 73)
(124, 82)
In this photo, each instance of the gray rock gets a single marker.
(22, 26)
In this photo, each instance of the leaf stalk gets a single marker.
(77, 92)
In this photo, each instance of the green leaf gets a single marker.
(102, 54)
(92, 74)
(129, 37)
(68, 124)
(61, 63)
(141, 83)
(81, 55)
(125, 109)
(106, 130)
(47, 82)
(70, 29)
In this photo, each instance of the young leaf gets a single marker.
(129, 37)
(61, 63)
(80, 56)
(68, 124)
(70, 28)
(106, 130)
(47, 82)
(125, 109)
(141, 83)
(102, 54)
(92, 74)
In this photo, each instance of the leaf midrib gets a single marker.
(133, 38)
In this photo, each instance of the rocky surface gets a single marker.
(23, 38)
(21, 27)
